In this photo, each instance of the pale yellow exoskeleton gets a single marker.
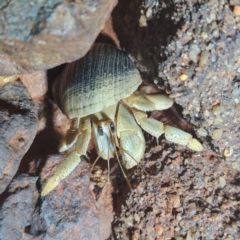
(116, 123)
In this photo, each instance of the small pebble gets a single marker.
(217, 134)
(179, 217)
(143, 21)
(139, 57)
(236, 92)
(217, 121)
(184, 77)
(135, 236)
(206, 113)
(158, 229)
(203, 58)
(202, 132)
(228, 152)
(203, 35)
(222, 181)
(192, 207)
(209, 121)
(236, 10)
(149, 13)
(238, 107)
(215, 33)
(236, 165)
(206, 179)
(217, 109)
(4, 80)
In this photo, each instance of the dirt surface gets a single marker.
(179, 195)
(195, 47)
(208, 54)
(189, 49)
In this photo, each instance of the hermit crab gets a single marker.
(98, 93)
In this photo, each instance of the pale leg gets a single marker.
(72, 160)
(71, 136)
(150, 102)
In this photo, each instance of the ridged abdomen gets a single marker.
(101, 78)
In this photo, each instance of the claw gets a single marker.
(150, 125)
(50, 185)
(71, 136)
(178, 136)
(62, 171)
(72, 160)
(127, 136)
(149, 102)
(131, 138)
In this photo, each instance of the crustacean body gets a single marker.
(98, 94)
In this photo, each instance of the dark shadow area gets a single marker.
(149, 42)
(120, 187)
(52, 75)
(104, 39)
(118, 182)
(12, 109)
(4, 196)
(46, 141)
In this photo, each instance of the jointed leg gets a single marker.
(150, 102)
(72, 160)
(71, 136)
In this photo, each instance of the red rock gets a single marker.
(36, 84)
(16, 213)
(105, 211)
(18, 127)
(44, 35)
(60, 121)
(109, 31)
(69, 211)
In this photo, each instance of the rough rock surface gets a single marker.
(18, 208)
(180, 196)
(208, 53)
(18, 127)
(39, 35)
(191, 49)
(105, 211)
(69, 211)
(36, 84)
(197, 61)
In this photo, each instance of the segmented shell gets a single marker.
(101, 78)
